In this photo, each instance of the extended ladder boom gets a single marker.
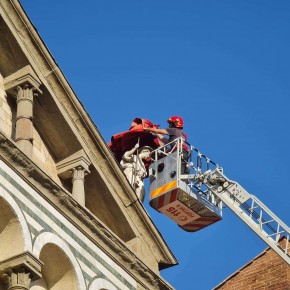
(251, 211)
(194, 200)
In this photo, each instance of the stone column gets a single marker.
(23, 84)
(75, 167)
(78, 189)
(18, 271)
(19, 280)
(24, 118)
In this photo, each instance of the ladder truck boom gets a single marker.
(251, 211)
(194, 200)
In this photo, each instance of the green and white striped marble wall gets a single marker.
(41, 224)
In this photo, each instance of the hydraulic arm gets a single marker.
(194, 200)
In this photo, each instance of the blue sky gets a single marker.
(223, 66)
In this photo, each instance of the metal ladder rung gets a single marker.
(251, 211)
(267, 222)
(252, 208)
(278, 233)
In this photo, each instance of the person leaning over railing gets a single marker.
(174, 131)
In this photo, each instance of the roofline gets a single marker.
(240, 269)
(246, 265)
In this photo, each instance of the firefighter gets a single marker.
(174, 131)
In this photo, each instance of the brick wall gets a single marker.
(266, 272)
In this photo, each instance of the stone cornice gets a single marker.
(87, 223)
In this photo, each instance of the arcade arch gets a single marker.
(14, 233)
(101, 284)
(60, 268)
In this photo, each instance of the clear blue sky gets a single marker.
(223, 66)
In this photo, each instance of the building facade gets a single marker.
(69, 219)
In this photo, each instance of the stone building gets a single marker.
(267, 271)
(68, 217)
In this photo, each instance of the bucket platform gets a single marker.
(176, 196)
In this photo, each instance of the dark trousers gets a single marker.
(184, 168)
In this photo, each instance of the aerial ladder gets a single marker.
(195, 199)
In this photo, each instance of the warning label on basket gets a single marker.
(180, 213)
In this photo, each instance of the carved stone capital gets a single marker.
(20, 279)
(71, 166)
(23, 78)
(78, 173)
(25, 92)
(20, 270)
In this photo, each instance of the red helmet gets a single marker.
(176, 121)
